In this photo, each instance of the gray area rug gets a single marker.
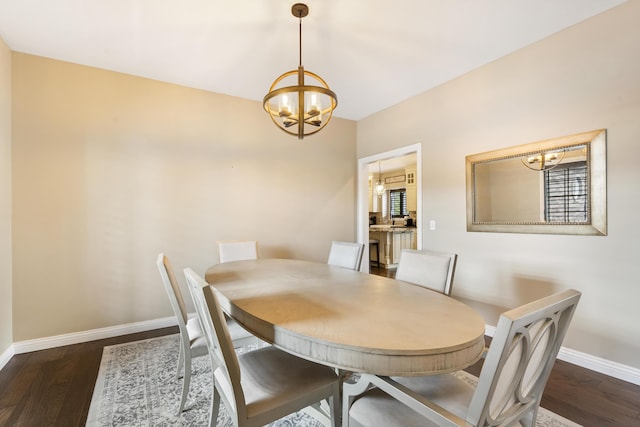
(136, 386)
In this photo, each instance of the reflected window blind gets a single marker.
(398, 203)
(566, 193)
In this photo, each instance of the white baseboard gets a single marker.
(91, 335)
(597, 364)
(6, 356)
(603, 366)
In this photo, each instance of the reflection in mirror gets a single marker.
(555, 186)
(552, 181)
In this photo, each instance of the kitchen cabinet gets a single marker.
(400, 241)
(392, 241)
(411, 189)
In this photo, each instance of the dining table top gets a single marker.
(347, 319)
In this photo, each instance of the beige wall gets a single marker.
(111, 169)
(580, 79)
(6, 323)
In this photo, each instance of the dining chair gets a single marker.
(508, 392)
(430, 269)
(237, 250)
(346, 254)
(263, 385)
(192, 341)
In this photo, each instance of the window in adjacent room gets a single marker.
(398, 203)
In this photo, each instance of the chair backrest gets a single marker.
(173, 291)
(237, 250)
(346, 254)
(519, 361)
(433, 270)
(221, 351)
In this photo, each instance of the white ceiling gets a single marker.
(372, 53)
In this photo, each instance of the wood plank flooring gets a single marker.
(54, 388)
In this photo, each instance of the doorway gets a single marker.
(363, 194)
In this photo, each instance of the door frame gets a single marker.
(363, 195)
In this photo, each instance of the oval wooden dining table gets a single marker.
(349, 320)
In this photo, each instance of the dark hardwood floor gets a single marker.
(54, 388)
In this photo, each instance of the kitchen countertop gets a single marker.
(390, 228)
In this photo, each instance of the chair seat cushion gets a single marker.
(193, 329)
(236, 331)
(197, 341)
(272, 377)
(376, 408)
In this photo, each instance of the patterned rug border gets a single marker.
(147, 399)
(147, 393)
(96, 397)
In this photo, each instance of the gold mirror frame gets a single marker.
(596, 224)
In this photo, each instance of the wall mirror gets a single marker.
(557, 186)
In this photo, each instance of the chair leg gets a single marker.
(186, 382)
(180, 361)
(529, 419)
(215, 407)
(336, 406)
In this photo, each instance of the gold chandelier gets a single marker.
(300, 107)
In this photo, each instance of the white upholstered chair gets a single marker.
(263, 385)
(346, 254)
(508, 392)
(237, 250)
(192, 341)
(433, 270)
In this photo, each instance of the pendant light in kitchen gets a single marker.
(379, 184)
